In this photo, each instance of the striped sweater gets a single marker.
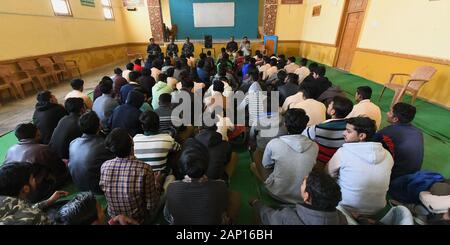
(153, 149)
(329, 136)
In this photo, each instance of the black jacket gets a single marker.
(219, 152)
(66, 131)
(147, 84)
(46, 117)
(87, 154)
(126, 116)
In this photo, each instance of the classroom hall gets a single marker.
(327, 160)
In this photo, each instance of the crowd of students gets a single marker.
(328, 159)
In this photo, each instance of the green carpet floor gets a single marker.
(432, 119)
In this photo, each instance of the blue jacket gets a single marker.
(407, 188)
(126, 116)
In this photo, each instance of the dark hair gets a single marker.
(137, 62)
(81, 210)
(273, 62)
(77, 84)
(170, 72)
(119, 142)
(218, 86)
(208, 53)
(14, 176)
(162, 77)
(89, 123)
(130, 66)
(118, 71)
(313, 66)
(304, 62)
(363, 125)
(25, 131)
(404, 112)
(342, 106)
(365, 92)
(292, 78)
(325, 193)
(106, 86)
(292, 59)
(146, 72)
(320, 71)
(266, 59)
(201, 64)
(296, 120)
(187, 83)
(281, 75)
(74, 105)
(254, 75)
(165, 99)
(281, 64)
(157, 64)
(193, 163)
(44, 96)
(150, 121)
(134, 75)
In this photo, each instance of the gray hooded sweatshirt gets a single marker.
(292, 158)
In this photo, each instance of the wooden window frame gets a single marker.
(110, 7)
(70, 14)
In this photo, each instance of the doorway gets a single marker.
(349, 32)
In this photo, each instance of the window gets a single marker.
(107, 10)
(61, 7)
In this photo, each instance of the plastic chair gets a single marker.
(416, 80)
(16, 80)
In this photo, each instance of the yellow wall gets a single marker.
(377, 67)
(290, 21)
(30, 28)
(419, 27)
(260, 13)
(137, 25)
(319, 53)
(165, 8)
(323, 28)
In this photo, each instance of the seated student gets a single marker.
(47, 115)
(290, 88)
(87, 154)
(18, 184)
(203, 74)
(153, 147)
(130, 186)
(292, 157)
(302, 71)
(145, 105)
(137, 65)
(320, 194)
(362, 168)
(156, 68)
(217, 99)
(126, 116)
(126, 73)
(171, 81)
(68, 128)
(296, 98)
(266, 64)
(210, 64)
(255, 101)
(328, 135)
(315, 110)
(407, 139)
(365, 107)
(164, 111)
(97, 93)
(269, 127)
(105, 104)
(271, 70)
(191, 61)
(167, 64)
(146, 81)
(132, 84)
(227, 80)
(118, 81)
(29, 150)
(77, 92)
(196, 199)
(161, 87)
(291, 67)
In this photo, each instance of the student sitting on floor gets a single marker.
(291, 67)
(328, 135)
(105, 104)
(290, 88)
(68, 128)
(320, 195)
(362, 168)
(126, 73)
(130, 186)
(315, 110)
(126, 116)
(132, 84)
(47, 115)
(161, 87)
(292, 157)
(77, 92)
(118, 81)
(365, 107)
(407, 139)
(87, 154)
(196, 199)
(28, 150)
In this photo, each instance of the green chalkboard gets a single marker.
(90, 3)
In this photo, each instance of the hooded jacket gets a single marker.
(292, 158)
(219, 152)
(158, 89)
(126, 116)
(363, 170)
(46, 117)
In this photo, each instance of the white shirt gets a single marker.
(368, 109)
(291, 68)
(78, 94)
(296, 98)
(269, 72)
(155, 73)
(126, 74)
(197, 86)
(315, 110)
(224, 125)
(302, 73)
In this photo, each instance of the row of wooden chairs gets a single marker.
(39, 73)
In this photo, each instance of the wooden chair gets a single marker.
(48, 65)
(66, 66)
(416, 80)
(16, 80)
(34, 71)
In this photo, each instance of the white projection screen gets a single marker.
(214, 14)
